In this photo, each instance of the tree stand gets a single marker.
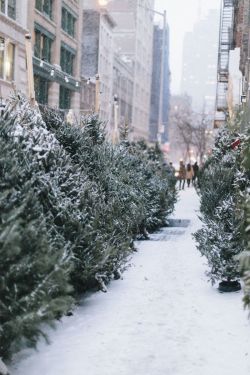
(229, 286)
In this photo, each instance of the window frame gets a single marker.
(8, 8)
(64, 103)
(68, 22)
(4, 58)
(67, 59)
(42, 45)
(45, 7)
(43, 93)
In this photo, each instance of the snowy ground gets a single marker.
(163, 318)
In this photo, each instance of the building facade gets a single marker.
(199, 72)
(158, 127)
(97, 54)
(134, 39)
(241, 39)
(13, 27)
(122, 93)
(55, 28)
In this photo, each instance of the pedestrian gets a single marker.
(172, 168)
(196, 172)
(189, 174)
(182, 175)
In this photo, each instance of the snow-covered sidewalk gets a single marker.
(163, 318)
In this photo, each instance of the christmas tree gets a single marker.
(34, 285)
(221, 183)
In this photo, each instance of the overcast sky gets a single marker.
(181, 16)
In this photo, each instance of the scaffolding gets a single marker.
(225, 45)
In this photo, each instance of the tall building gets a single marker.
(98, 54)
(158, 127)
(133, 36)
(122, 92)
(13, 27)
(55, 27)
(242, 41)
(199, 71)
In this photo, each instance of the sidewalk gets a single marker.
(163, 318)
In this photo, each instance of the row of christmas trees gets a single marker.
(223, 190)
(71, 205)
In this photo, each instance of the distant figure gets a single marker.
(172, 168)
(189, 174)
(196, 172)
(182, 175)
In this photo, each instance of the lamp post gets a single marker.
(115, 129)
(97, 93)
(31, 91)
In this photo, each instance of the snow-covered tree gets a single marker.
(34, 266)
(245, 258)
(221, 181)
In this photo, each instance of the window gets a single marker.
(42, 48)
(65, 98)
(7, 58)
(67, 60)
(41, 89)
(8, 7)
(68, 22)
(45, 6)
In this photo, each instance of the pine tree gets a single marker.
(221, 182)
(34, 271)
(245, 258)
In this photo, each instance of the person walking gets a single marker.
(196, 172)
(189, 174)
(182, 175)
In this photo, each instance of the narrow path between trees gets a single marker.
(163, 318)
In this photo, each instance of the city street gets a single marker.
(163, 318)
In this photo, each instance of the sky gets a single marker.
(181, 16)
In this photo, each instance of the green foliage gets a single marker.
(245, 258)
(71, 205)
(34, 265)
(220, 185)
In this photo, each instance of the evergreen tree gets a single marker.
(221, 182)
(245, 258)
(34, 267)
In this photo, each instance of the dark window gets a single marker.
(45, 6)
(41, 89)
(67, 61)
(42, 48)
(8, 7)
(68, 22)
(65, 98)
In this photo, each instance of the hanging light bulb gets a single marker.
(52, 72)
(77, 84)
(41, 63)
(66, 79)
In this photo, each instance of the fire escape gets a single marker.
(225, 45)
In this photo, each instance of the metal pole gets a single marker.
(31, 91)
(115, 130)
(160, 120)
(97, 93)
